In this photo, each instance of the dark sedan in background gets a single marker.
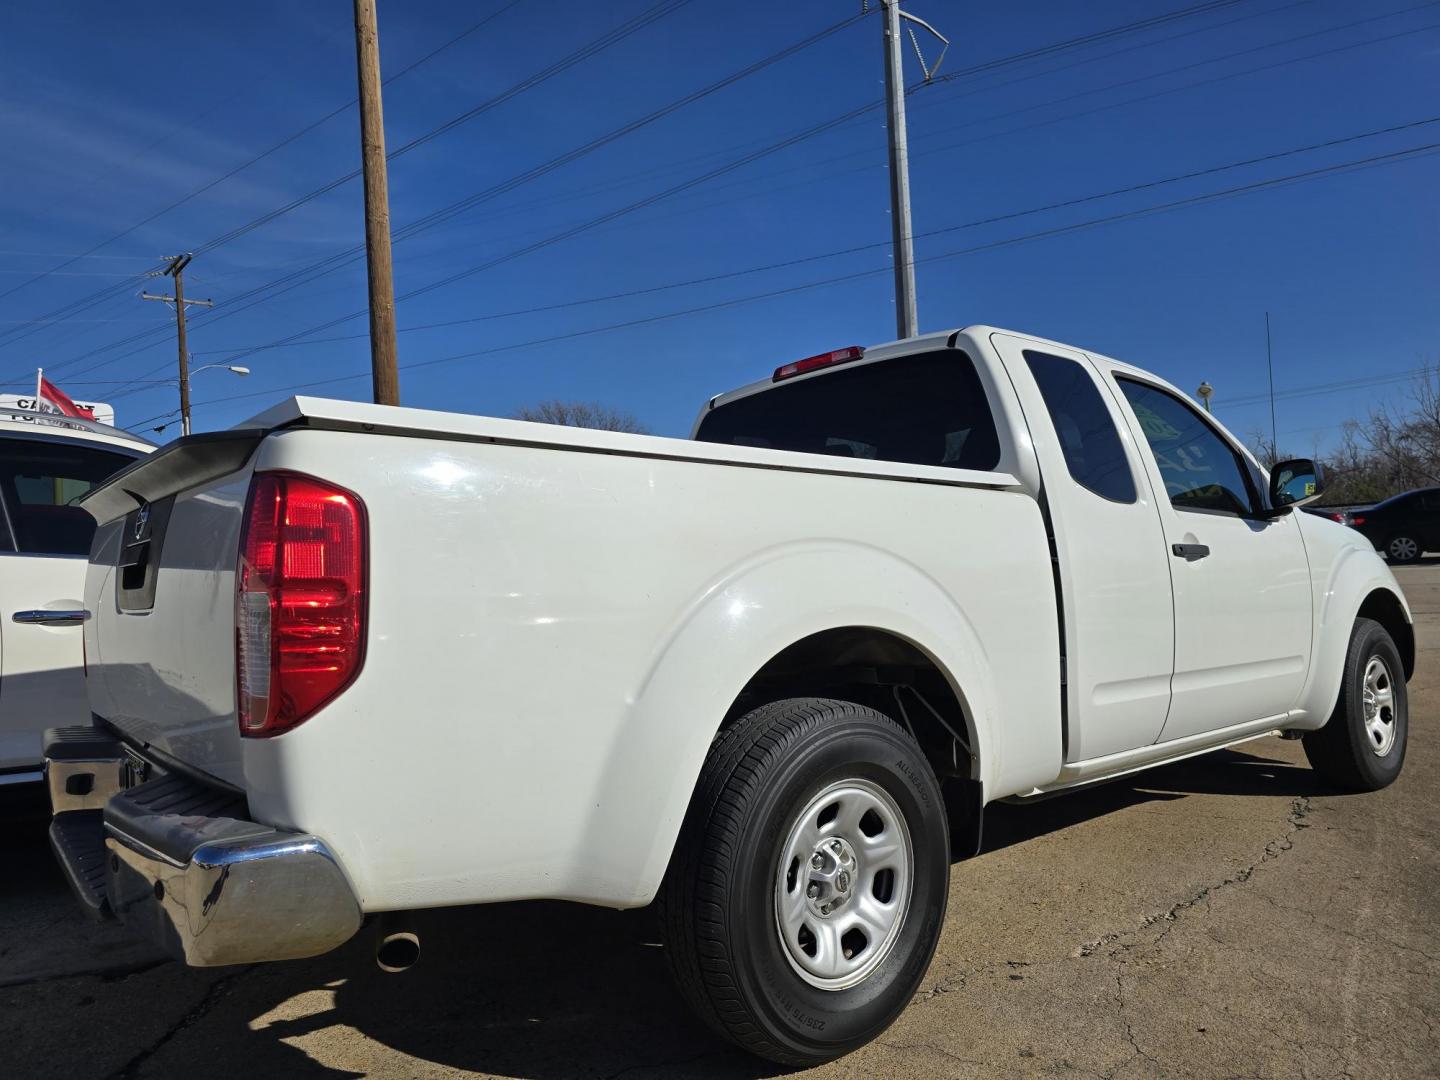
(1402, 527)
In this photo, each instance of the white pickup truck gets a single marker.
(350, 660)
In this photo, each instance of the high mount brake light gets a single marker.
(810, 363)
(299, 600)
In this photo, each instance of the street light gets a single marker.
(234, 369)
(1205, 391)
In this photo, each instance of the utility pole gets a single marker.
(384, 372)
(176, 270)
(902, 243)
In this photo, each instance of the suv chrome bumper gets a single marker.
(180, 864)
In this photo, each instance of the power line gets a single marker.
(334, 261)
(1411, 153)
(437, 217)
(237, 351)
(295, 338)
(585, 52)
(600, 220)
(293, 137)
(610, 38)
(626, 29)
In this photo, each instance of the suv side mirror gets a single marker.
(1295, 483)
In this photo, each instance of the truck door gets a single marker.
(1241, 583)
(44, 541)
(1109, 543)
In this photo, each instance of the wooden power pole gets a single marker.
(383, 368)
(176, 270)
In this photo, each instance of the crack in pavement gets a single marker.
(1299, 809)
(113, 973)
(212, 997)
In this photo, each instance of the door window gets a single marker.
(40, 482)
(1201, 470)
(1093, 451)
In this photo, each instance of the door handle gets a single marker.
(1190, 552)
(51, 618)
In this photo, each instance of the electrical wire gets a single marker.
(256, 159)
(333, 262)
(614, 215)
(237, 351)
(1410, 153)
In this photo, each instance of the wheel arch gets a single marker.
(1359, 585)
(1385, 608)
(777, 628)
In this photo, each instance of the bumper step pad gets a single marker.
(78, 840)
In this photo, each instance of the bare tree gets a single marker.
(586, 414)
(1406, 444)
(1392, 450)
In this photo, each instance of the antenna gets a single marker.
(1270, 364)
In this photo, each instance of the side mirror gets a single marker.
(1295, 483)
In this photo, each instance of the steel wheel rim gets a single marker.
(843, 884)
(1403, 547)
(1377, 698)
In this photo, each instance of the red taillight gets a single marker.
(1353, 520)
(299, 600)
(810, 363)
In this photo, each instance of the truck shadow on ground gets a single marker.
(1224, 772)
(550, 990)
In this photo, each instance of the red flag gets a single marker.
(53, 395)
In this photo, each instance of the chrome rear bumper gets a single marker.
(179, 864)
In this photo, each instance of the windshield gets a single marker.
(927, 409)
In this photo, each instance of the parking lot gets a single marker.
(1228, 916)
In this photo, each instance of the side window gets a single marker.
(1200, 469)
(1093, 451)
(40, 481)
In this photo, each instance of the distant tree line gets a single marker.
(585, 414)
(1392, 450)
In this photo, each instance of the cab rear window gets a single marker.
(927, 409)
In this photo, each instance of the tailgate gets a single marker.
(160, 646)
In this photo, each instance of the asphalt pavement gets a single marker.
(1229, 916)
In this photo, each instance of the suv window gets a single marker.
(927, 409)
(1093, 451)
(1200, 469)
(39, 484)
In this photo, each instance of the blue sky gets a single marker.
(110, 114)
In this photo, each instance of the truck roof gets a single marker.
(22, 422)
(941, 339)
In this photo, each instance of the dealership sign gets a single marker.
(105, 414)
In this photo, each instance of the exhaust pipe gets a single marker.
(397, 945)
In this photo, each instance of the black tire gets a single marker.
(1345, 751)
(1403, 548)
(718, 903)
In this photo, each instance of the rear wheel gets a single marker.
(1362, 745)
(808, 888)
(1402, 548)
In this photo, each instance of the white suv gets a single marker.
(46, 464)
